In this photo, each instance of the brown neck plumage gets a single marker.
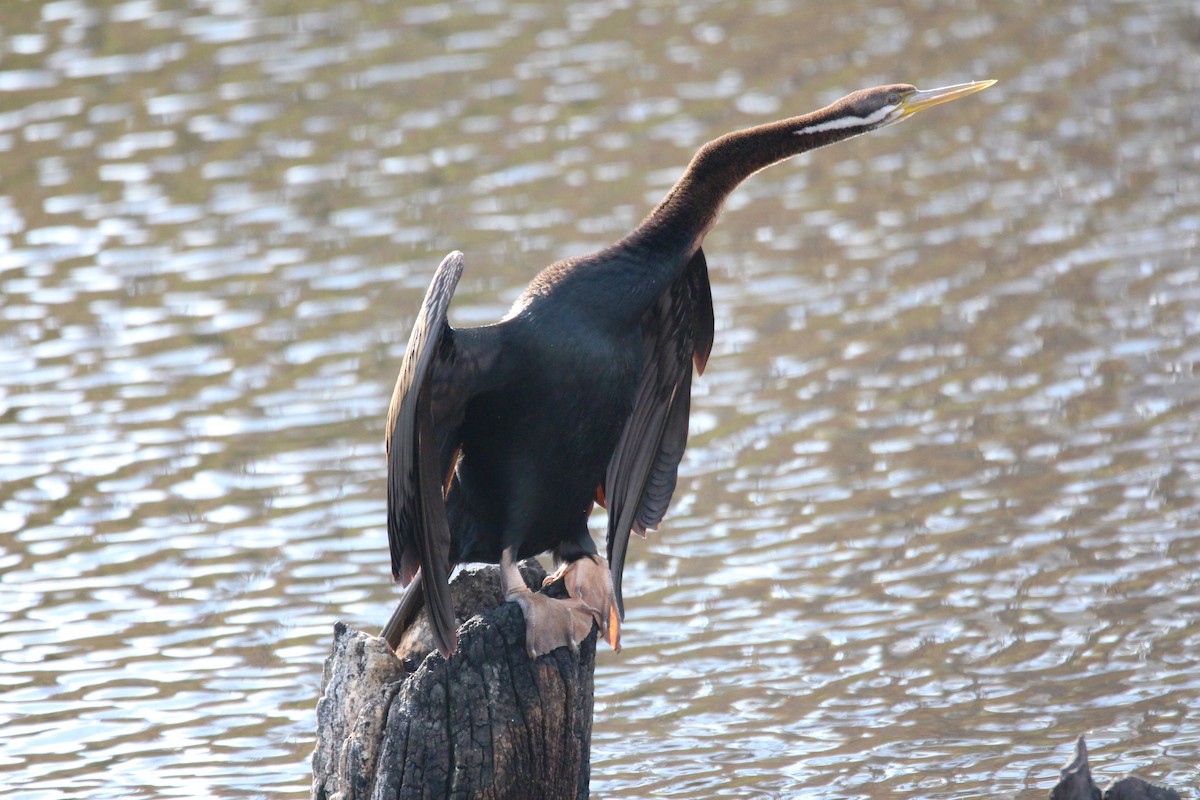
(632, 274)
(692, 206)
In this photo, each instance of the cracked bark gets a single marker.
(489, 723)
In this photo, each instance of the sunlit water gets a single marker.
(939, 511)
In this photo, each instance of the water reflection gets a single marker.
(937, 515)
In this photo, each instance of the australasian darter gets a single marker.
(501, 438)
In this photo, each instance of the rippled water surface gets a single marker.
(939, 510)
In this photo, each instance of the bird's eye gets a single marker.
(893, 98)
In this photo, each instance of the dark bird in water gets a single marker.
(501, 438)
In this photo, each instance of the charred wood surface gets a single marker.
(487, 723)
(492, 723)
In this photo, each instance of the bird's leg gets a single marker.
(549, 623)
(589, 581)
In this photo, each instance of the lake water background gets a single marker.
(939, 511)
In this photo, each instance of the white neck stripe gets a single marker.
(847, 122)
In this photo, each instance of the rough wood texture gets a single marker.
(488, 723)
(1076, 783)
(491, 723)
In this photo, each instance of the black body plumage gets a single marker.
(500, 438)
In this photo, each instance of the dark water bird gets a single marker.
(501, 438)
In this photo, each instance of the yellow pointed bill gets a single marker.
(922, 99)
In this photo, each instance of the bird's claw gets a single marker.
(551, 623)
(588, 581)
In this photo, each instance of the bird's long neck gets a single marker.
(632, 274)
(690, 209)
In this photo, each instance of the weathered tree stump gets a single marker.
(1076, 783)
(492, 723)
(489, 723)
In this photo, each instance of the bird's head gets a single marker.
(871, 109)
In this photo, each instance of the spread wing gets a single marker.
(677, 332)
(420, 447)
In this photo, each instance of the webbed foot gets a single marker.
(551, 623)
(588, 581)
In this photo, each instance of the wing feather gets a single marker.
(700, 301)
(642, 473)
(418, 531)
